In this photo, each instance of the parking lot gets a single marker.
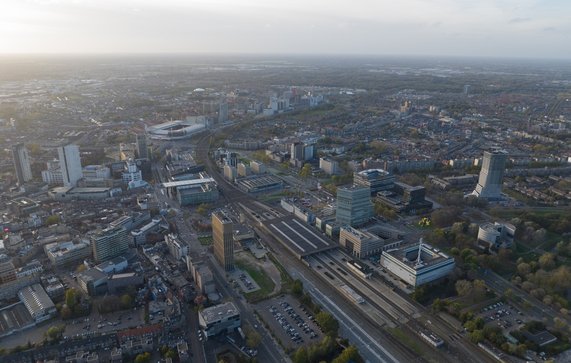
(88, 326)
(290, 322)
(243, 280)
(504, 315)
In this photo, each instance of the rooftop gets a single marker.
(218, 312)
(300, 238)
(409, 256)
(181, 183)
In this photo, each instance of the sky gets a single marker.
(488, 28)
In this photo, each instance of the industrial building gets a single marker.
(222, 318)
(258, 184)
(417, 264)
(37, 302)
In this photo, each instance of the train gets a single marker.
(359, 270)
(351, 294)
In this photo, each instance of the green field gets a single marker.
(205, 240)
(264, 282)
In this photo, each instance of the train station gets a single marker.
(301, 239)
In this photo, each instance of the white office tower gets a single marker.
(22, 163)
(70, 163)
(491, 176)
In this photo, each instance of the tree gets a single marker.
(301, 355)
(297, 288)
(55, 332)
(65, 313)
(463, 287)
(547, 261)
(328, 323)
(53, 219)
(523, 269)
(143, 358)
(80, 268)
(349, 354)
(171, 353)
(126, 301)
(305, 171)
(477, 336)
(70, 298)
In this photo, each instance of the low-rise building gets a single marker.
(37, 302)
(361, 243)
(329, 166)
(222, 318)
(177, 248)
(67, 253)
(493, 236)
(404, 198)
(417, 264)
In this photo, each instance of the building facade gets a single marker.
(70, 164)
(222, 318)
(109, 243)
(22, 163)
(491, 176)
(354, 206)
(223, 241)
(375, 179)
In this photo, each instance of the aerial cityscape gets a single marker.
(165, 205)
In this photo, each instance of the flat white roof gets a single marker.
(181, 183)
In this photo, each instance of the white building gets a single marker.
(219, 318)
(177, 248)
(132, 176)
(329, 166)
(494, 236)
(37, 302)
(53, 174)
(257, 167)
(70, 163)
(418, 264)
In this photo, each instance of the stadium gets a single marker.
(177, 130)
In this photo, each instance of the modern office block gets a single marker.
(223, 241)
(354, 206)
(70, 163)
(109, 243)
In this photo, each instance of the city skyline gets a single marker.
(528, 29)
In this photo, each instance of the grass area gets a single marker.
(407, 340)
(257, 274)
(205, 240)
(286, 278)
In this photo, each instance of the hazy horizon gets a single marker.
(509, 29)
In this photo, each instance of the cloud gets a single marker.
(519, 20)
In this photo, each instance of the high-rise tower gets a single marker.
(491, 176)
(70, 163)
(222, 240)
(22, 163)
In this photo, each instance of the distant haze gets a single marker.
(489, 28)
